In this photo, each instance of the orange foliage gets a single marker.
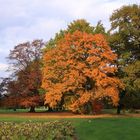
(84, 65)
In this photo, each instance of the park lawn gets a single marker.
(122, 128)
(9, 111)
(109, 129)
(42, 109)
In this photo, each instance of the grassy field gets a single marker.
(9, 111)
(120, 128)
(42, 109)
(113, 128)
(109, 129)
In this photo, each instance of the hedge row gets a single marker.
(54, 130)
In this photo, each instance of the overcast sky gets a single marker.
(25, 20)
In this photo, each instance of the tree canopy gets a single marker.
(84, 65)
(125, 33)
(125, 40)
(26, 64)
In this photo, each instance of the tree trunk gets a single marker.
(120, 104)
(118, 109)
(32, 109)
(14, 109)
(60, 107)
(50, 109)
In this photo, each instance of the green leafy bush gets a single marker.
(54, 130)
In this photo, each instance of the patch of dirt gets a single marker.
(64, 115)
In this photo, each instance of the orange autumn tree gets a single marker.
(83, 65)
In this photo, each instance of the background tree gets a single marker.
(132, 80)
(84, 65)
(125, 40)
(3, 85)
(26, 64)
(77, 25)
(10, 94)
(83, 26)
(2, 89)
(80, 25)
(125, 37)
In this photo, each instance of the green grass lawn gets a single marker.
(97, 129)
(8, 111)
(109, 129)
(42, 109)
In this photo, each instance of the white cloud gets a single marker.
(3, 67)
(42, 29)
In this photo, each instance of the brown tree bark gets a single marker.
(32, 109)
